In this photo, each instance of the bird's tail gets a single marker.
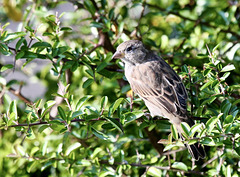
(196, 150)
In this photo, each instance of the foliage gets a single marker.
(86, 124)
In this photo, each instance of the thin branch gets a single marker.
(90, 51)
(44, 122)
(20, 96)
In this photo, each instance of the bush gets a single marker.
(86, 123)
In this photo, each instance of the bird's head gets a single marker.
(131, 52)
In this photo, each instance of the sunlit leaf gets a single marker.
(114, 106)
(6, 67)
(82, 101)
(228, 68)
(72, 148)
(211, 123)
(174, 132)
(153, 171)
(180, 165)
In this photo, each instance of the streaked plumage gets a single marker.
(158, 85)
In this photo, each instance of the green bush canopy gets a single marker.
(83, 119)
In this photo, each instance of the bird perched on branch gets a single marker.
(158, 85)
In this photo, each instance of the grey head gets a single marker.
(131, 52)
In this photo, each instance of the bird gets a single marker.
(158, 85)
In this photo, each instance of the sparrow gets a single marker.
(162, 90)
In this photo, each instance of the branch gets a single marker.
(153, 138)
(20, 96)
(44, 122)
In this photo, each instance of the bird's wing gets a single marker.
(156, 82)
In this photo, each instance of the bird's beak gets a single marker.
(118, 54)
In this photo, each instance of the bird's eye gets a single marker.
(129, 49)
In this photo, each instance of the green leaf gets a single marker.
(208, 100)
(46, 107)
(66, 29)
(185, 68)
(57, 126)
(229, 119)
(29, 117)
(97, 25)
(90, 7)
(174, 132)
(41, 44)
(104, 101)
(101, 66)
(82, 101)
(226, 107)
(19, 43)
(99, 134)
(72, 148)
(4, 49)
(77, 114)
(168, 147)
(96, 152)
(186, 128)
(34, 150)
(4, 26)
(31, 166)
(215, 48)
(90, 72)
(47, 34)
(62, 113)
(212, 122)
(28, 54)
(115, 123)
(38, 103)
(28, 28)
(195, 128)
(131, 116)
(83, 162)
(208, 141)
(87, 83)
(12, 36)
(153, 171)
(19, 55)
(13, 109)
(6, 67)
(206, 85)
(46, 165)
(107, 126)
(228, 68)
(180, 166)
(114, 106)
(225, 76)
(42, 128)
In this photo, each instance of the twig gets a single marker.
(90, 51)
(44, 122)
(174, 151)
(209, 161)
(20, 96)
